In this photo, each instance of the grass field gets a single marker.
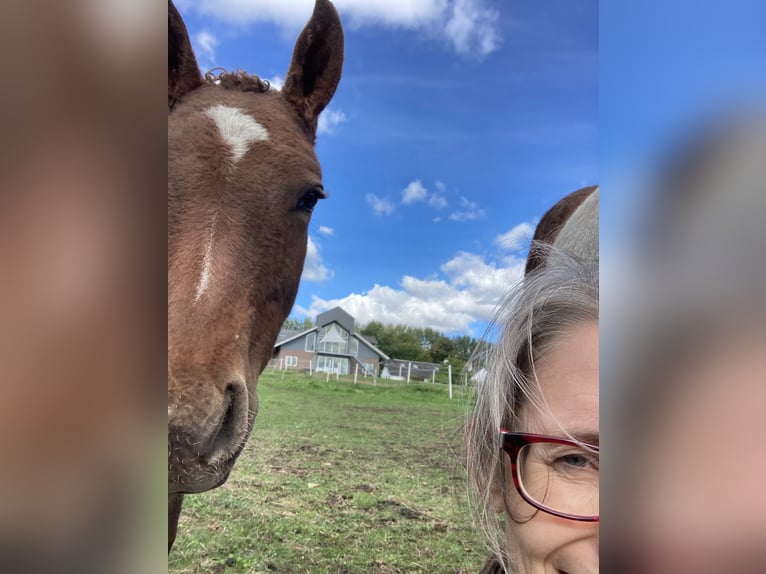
(338, 478)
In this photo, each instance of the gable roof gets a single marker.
(293, 338)
(339, 316)
(372, 339)
(371, 346)
(287, 334)
(358, 337)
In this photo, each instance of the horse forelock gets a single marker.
(236, 80)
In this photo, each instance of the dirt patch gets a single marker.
(402, 509)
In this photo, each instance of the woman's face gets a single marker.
(698, 490)
(568, 376)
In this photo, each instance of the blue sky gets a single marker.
(668, 72)
(456, 124)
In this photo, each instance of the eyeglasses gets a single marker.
(556, 475)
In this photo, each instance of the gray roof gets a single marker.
(372, 339)
(336, 315)
(298, 335)
(287, 334)
(339, 316)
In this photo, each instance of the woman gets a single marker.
(533, 438)
(688, 394)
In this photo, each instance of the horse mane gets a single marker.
(236, 80)
(552, 222)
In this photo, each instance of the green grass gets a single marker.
(338, 478)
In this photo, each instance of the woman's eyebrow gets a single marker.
(587, 437)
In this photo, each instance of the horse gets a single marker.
(243, 180)
(571, 224)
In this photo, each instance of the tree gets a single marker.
(464, 346)
(419, 343)
(441, 348)
(293, 324)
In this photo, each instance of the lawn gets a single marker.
(339, 478)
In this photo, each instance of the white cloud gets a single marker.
(516, 238)
(379, 205)
(468, 293)
(469, 27)
(470, 211)
(414, 192)
(323, 229)
(472, 28)
(329, 119)
(437, 201)
(205, 44)
(276, 82)
(314, 268)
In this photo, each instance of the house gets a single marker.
(332, 345)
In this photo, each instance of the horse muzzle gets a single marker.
(204, 443)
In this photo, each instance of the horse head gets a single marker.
(243, 180)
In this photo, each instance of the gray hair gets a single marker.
(549, 301)
(579, 236)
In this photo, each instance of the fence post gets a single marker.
(433, 377)
(449, 376)
(356, 372)
(280, 363)
(311, 366)
(327, 380)
(409, 370)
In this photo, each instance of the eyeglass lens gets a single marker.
(562, 478)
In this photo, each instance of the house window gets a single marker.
(310, 342)
(332, 365)
(353, 346)
(333, 339)
(291, 361)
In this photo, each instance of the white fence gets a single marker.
(360, 373)
(291, 363)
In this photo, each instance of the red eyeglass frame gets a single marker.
(512, 443)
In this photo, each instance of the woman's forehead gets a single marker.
(568, 380)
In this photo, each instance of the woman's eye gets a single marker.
(577, 461)
(574, 460)
(309, 200)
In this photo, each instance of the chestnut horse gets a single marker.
(243, 180)
(571, 224)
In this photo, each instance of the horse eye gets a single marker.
(309, 200)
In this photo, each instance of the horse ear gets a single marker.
(316, 66)
(183, 72)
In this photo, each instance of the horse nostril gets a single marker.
(232, 427)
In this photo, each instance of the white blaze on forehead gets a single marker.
(207, 266)
(237, 128)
